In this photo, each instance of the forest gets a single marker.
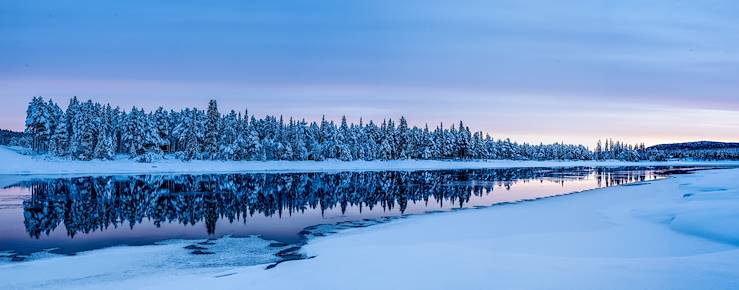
(90, 130)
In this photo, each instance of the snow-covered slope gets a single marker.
(678, 233)
(11, 162)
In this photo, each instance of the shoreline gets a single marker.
(14, 163)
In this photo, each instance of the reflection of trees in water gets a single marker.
(88, 204)
(606, 177)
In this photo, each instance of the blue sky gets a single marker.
(573, 71)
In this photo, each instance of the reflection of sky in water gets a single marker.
(490, 186)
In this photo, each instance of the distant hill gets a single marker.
(699, 145)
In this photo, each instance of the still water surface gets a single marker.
(75, 214)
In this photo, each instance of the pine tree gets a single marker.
(38, 124)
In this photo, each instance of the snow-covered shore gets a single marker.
(11, 162)
(678, 233)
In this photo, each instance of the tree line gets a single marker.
(90, 130)
(8, 137)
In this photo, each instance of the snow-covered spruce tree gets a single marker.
(359, 139)
(439, 142)
(104, 146)
(387, 141)
(598, 152)
(84, 126)
(58, 142)
(133, 133)
(254, 149)
(73, 108)
(312, 142)
(227, 137)
(182, 121)
(415, 144)
(242, 127)
(104, 149)
(369, 144)
(117, 119)
(463, 142)
(386, 150)
(280, 142)
(477, 148)
(210, 143)
(297, 141)
(451, 146)
(191, 137)
(152, 143)
(344, 153)
(161, 119)
(174, 119)
(240, 145)
(490, 147)
(402, 138)
(427, 147)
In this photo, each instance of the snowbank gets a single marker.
(88, 269)
(12, 162)
(677, 233)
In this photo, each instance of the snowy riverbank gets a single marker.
(11, 162)
(678, 233)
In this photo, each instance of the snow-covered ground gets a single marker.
(677, 233)
(11, 162)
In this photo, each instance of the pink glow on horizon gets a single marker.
(523, 117)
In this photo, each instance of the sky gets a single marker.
(533, 71)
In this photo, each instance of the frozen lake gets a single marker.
(73, 214)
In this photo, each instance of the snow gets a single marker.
(676, 233)
(15, 163)
(114, 264)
